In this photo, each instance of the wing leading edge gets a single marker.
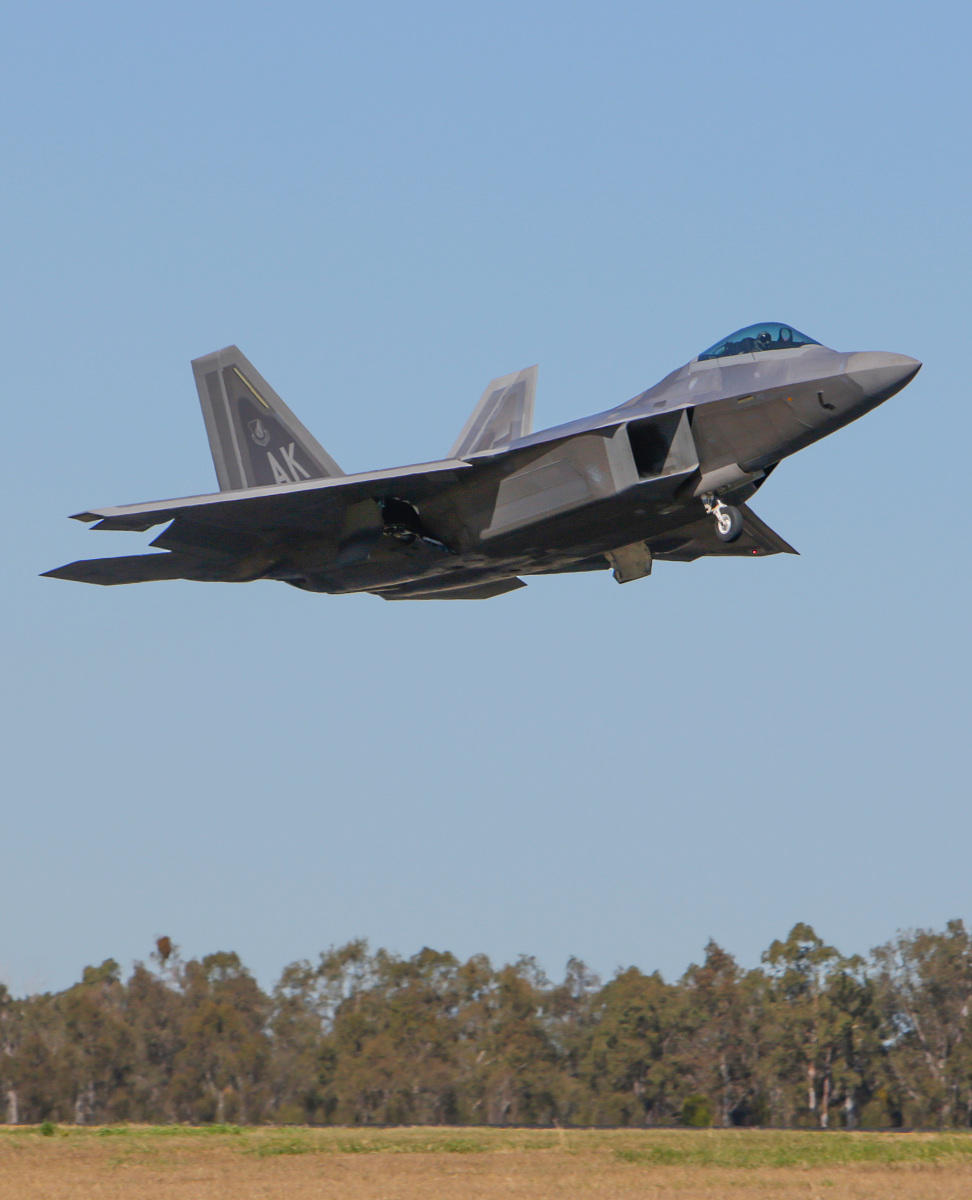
(279, 506)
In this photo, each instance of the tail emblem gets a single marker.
(259, 432)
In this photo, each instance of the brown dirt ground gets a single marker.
(189, 1167)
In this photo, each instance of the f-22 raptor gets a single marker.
(664, 476)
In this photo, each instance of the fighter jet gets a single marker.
(665, 476)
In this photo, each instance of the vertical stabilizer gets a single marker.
(254, 437)
(503, 414)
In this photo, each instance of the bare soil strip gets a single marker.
(177, 1162)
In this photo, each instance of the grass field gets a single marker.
(476, 1164)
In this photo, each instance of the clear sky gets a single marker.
(385, 205)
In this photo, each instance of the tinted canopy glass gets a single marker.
(769, 335)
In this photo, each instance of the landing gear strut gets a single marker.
(728, 519)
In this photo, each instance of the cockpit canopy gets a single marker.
(769, 335)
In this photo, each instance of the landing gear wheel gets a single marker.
(728, 519)
(729, 523)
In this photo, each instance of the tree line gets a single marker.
(808, 1038)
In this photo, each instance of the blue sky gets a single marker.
(385, 206)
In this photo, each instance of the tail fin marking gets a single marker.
(254, 437)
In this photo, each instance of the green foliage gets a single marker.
(715, 1148)
(278, 1146)
(793, 1149)
(656, 1156)
(47, 1129)
(697, 1112)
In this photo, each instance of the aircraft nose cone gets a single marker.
(881, 374)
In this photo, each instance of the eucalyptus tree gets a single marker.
(221, 1069)
(723, 1035)
(632, 1068)
(825, 1042)
(924, 981)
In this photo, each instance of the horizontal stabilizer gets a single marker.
(132, 568)
(503, 414)
(254, 437)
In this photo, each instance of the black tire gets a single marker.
(735, 525)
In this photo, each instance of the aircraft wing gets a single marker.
(699, 540)
(291, 506)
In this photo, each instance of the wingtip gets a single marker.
(58, 572)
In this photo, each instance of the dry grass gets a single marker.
(176, 1162)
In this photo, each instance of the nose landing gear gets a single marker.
(728, 518)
